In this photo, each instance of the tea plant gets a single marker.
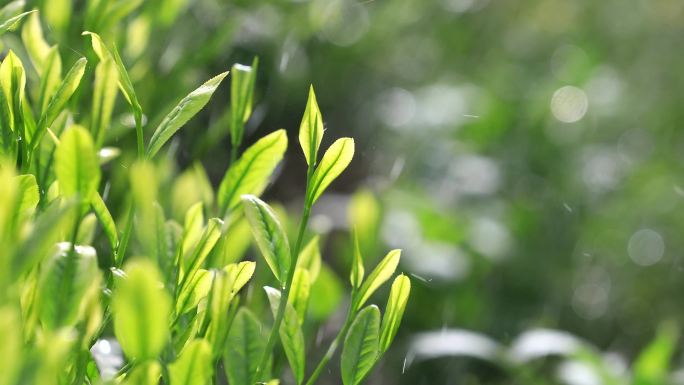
(171, 294)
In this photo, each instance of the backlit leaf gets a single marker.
(382, 272)
(246, 343)
(251, 172)
(241, 98)
(334, 161)
(396, 303)
(361, 346)
(76, 164)
(269, 235)
(291, 335)
(193, 366)
(182, 112)
(311, 129)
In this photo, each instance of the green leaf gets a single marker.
(146, 373)
(12, 83)
(36, 46)
(246, 343)
(12, 22)
(184, 111)
(105, 217)
(326, 294)
(105, 53)
(241, 99)
(194, 291)
(64, 281)
(357, 271)
(334, 161)
(193, 366)
(299, 293)
(382, 272)
(76, 165)
(28, 193)
(361, 346)
(396, 303)
(205, 244)
(193, 226)
(104, 96)
(291, 335)
(250, 173)
(141, 309)
(50, 79)
(651, 367)
(311, 129)
(310, 258)
(365, 212)
(269, 236)
(60, 98)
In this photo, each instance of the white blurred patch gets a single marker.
(401, 230)
(577, 373)
(462, 6)
(540, 343)
(344, 22)
(604, 90)
(454, 342)
(438, 261)
(646, 247)
(490, 238)
(396, 107)
(569, 104)
(474, 175)
(591, 296)
(108, 357)
(601, 170)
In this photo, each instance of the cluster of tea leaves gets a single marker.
(171, 294)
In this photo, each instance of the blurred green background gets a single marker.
(526, 155)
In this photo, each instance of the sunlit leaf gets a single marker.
(28, 193)
(382, 272)
(194, 291)
(36, 46)
(361, 346)
(141, 310)
(182, 112)
(653, 363)
(291, 335)
(334, 161)
(299, 293)
(246, 343)
(269, 235)
(310, 258)
(251, 172)
(64, 281)
(60, 98)
(311, 129)
(12, 22)
(146, 373)
(396, 303)
(105, 217)
(193, 366)
(357, 271)
(76, 165)
(50, 79)
(241, 99)
(104, 96)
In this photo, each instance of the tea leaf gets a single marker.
(103, 215)
(299, 293)
(12, 22)
(184, 111)
(76, 165)
(12, 83)
(241, 99)
(250, 174)
(396, 303)
(357, 271)
(192, 293)
(146, 373)
(334, 161)
(311, 129)
(206, 242)
(60, 98)
(269, 236)
(64, 281)
(361, 346)
(651, 367)
(104, 96)
(310, 258)
(193, 366)
(141, 310)
(246, 343)
(379, 275)
(28, 193)
(105, 53)
(36, 46)
(291, 335)
(50, 79)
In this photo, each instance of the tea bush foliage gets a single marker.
(104, 246)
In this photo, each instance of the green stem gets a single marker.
(284, 298)
(139, 134)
